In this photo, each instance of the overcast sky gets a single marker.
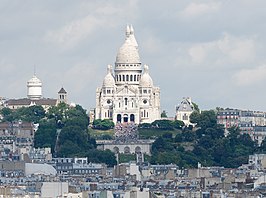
(213, 51)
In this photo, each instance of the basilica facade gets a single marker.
(127, 93)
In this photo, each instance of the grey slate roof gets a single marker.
(26, 101)
(62, 90)
(185, 106)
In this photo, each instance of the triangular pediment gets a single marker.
(127, 90)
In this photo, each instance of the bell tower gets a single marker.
(62, 96)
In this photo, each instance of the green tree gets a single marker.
(262, 147)
(145, 126)
(98, 156)
(103, 124)
(161, 145)
(188, 136)
(8, 115)
(45, 136)
(163, 124)
(69, 149)
(196, 107)
(205, 119)
(178, 124)
(31, 114)
(164, 114)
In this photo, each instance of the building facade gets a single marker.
(127, 93)
(249, 122)
(34, 97)
(184, 110)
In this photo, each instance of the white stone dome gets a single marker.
(128, 52)
(109, 80)
(34, 80)
(146, 80)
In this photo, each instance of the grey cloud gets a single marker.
(182, 50)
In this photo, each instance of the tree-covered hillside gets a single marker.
(63, 128)
(206, 145)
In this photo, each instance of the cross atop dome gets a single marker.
(109, 69)
(146, 69)
(129, 30)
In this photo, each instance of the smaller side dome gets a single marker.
(109, 80)
(146, 80)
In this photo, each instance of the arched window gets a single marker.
(131, 77)
(116, 149)
(120, 78)
(125, 118)
(132, 118)
(126, 150)
(127, 78)
(135, 78)
(119, 118)
(137, 149)
(123, 77)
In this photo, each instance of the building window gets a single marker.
(131, 77)
(135, 78)
(119, 77)
(127, 78)
(185, 117)
(123, 77)
(125, 101)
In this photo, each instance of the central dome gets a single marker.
(128, 52)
